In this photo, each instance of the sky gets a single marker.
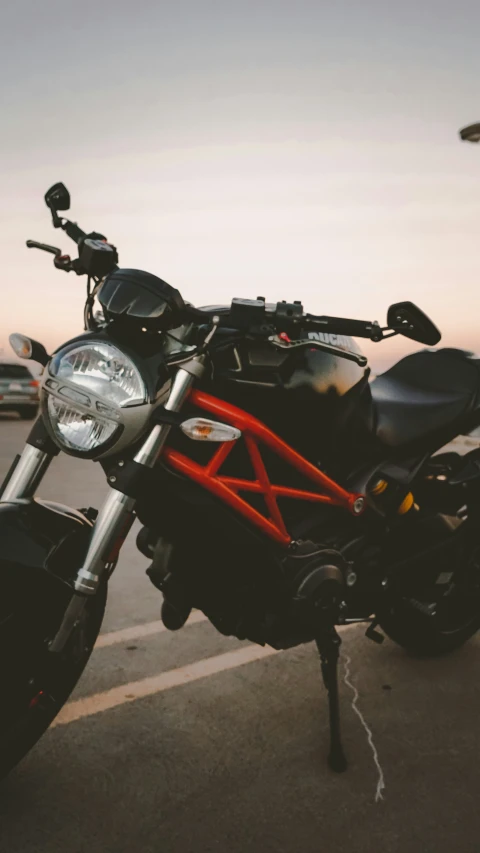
(295, 150)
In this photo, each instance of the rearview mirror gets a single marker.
(58, 197)
(408, 320)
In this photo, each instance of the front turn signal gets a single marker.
(25, 347)
(202, 429)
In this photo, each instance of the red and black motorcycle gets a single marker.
(280, 490)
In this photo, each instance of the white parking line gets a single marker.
(135, 632)
(157, 683)
(116, 696)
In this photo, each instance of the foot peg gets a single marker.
(174, 616)
(175, 609)
(374, 635)
(328, 646)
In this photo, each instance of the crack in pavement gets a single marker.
(356, 696)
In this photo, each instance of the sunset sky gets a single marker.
(298, 150)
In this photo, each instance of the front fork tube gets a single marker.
(117, 513)
(30, 467)
(27, 474)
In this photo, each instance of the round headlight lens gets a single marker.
(104, 370)
(77, 430)
(100, 381)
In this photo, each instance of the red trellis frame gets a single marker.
(255, 433)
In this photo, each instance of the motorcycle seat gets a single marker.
(429, 392)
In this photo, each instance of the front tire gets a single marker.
(34, 685)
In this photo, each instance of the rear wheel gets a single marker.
(442, 613)
(35, 683)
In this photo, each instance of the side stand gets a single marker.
(328, 646)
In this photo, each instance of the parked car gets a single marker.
(18, 391)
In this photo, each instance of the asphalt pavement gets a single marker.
(193, 742)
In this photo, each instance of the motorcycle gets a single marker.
(280, 489)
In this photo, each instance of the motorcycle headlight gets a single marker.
(94, 393)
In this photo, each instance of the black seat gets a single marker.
(427, 393)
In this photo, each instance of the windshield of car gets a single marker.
(14, 371)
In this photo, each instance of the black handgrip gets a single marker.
(343, 326)
(74, 232)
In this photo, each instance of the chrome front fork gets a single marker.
(116, 515)
(27, 474)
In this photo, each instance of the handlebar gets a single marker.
(344, 326)
(96, 257)
(258, 318)
(286, 326)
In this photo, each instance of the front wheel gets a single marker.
(35, 684)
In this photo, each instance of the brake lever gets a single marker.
(277, 342)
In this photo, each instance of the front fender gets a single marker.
(42, 545)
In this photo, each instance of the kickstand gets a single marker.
(328, 646)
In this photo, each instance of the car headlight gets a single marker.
(94, 394)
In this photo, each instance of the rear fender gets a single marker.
(452, 543)
(450, 481)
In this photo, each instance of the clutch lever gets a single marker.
(62, 262)
(32, 244)
(280, 343)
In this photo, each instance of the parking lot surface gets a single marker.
(195, 742)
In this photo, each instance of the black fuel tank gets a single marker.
(306, 396)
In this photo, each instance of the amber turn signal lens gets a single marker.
(202, 429)
(21, 345)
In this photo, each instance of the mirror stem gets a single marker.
(57, 222)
